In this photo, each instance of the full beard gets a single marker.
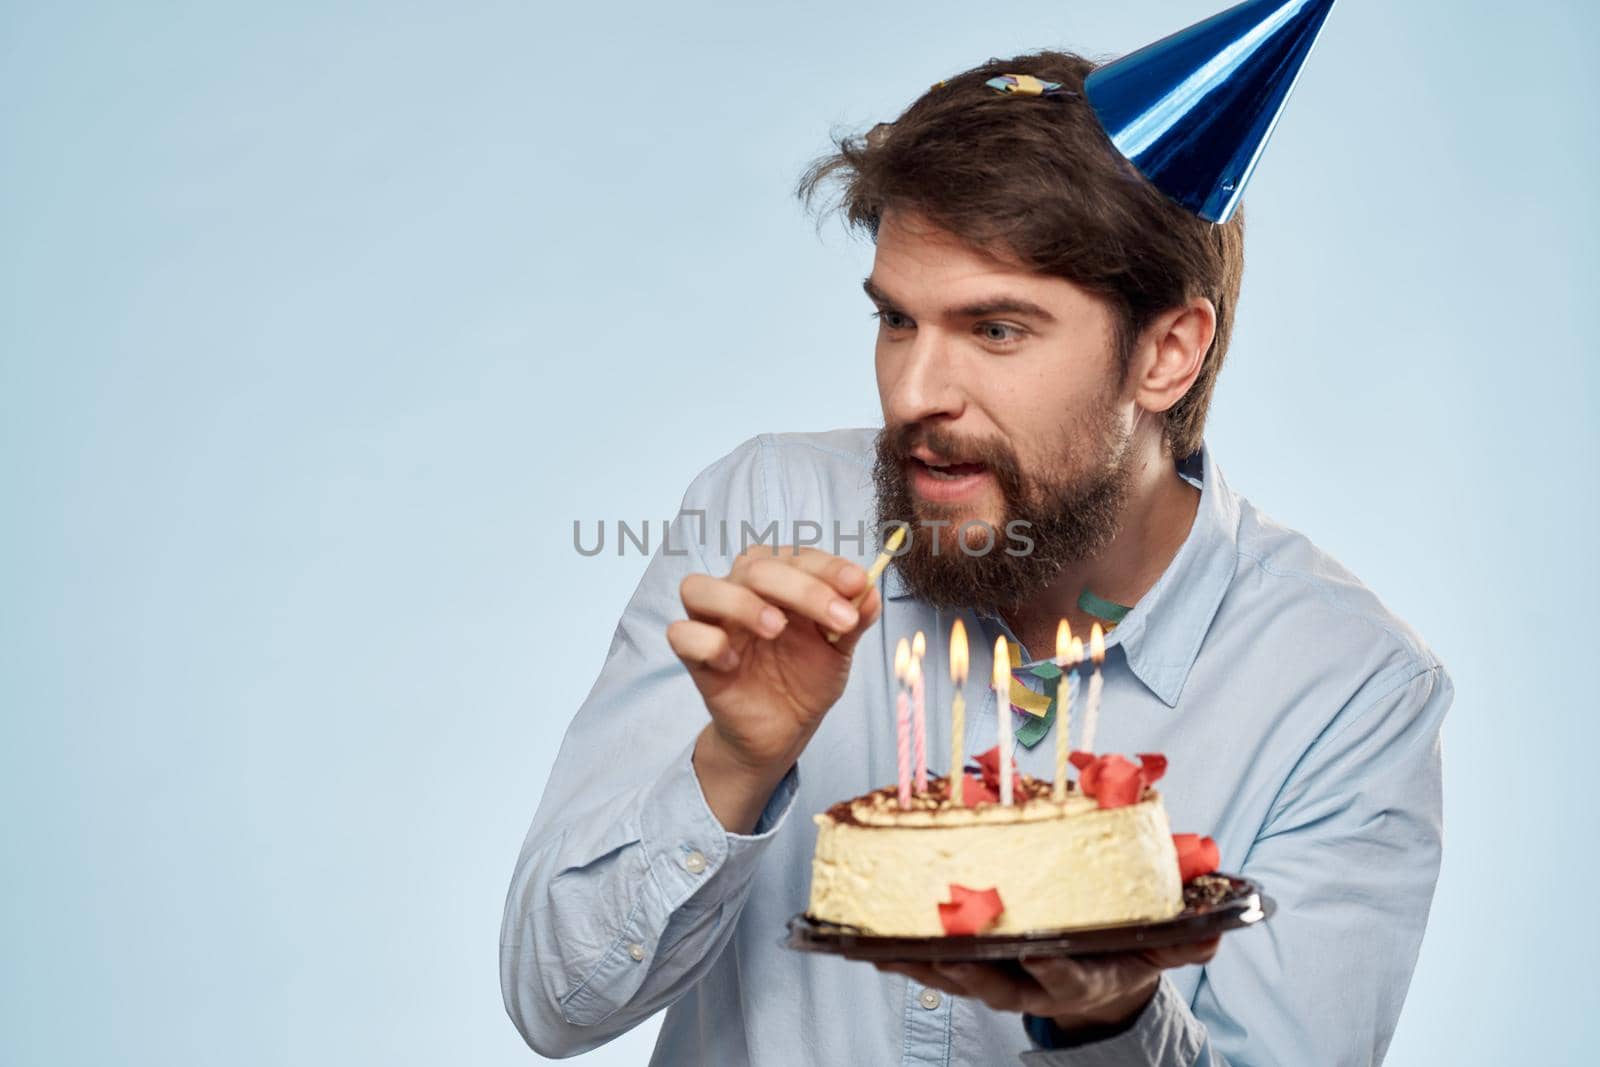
(1068, 519)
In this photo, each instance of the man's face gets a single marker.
(1001, 402)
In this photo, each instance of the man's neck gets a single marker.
(1156, 520)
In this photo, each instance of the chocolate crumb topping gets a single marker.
(1025, 789)
(1207, 890)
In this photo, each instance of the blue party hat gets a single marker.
(1194, 110)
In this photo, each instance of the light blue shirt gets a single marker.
(1301, 718)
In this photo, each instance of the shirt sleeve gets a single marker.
(627, 886)
(1350, 854)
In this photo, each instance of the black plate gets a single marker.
(1213, 903)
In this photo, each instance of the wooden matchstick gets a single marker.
(890, 547)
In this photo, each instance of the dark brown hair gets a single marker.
(1036, 179)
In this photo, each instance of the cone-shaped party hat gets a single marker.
(1194, 110)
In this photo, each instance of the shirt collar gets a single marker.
(1161, 636)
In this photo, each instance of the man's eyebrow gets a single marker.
(1000, 305)
(874, 294)
(1003, 305)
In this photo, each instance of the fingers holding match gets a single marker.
(760, 594)
(871, 606)
(890, 547)
(795, 590)
(847, 578)
(718, 600)
(701, 646)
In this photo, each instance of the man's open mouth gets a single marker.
(947, 472)
(938, 480)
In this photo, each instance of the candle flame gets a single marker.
(1097, 644)
(902, 659)
(958, 653)
(919, 645)
(913, 672)
(1077, 650)
(1002, 667)
(1063, 642)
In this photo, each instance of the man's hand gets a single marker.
(1086, 995)
(755, 645)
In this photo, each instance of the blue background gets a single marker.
(319, 328)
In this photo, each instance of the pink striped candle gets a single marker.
(902, 705)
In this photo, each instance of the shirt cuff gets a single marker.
(692, 865)
(688, 850)
(1165, 1033)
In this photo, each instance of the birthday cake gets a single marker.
(1098, 853)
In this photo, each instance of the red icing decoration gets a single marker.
(1196, 855)
(1114, 781)
(1152, 765)
(1119, 782)
(975, 790)
(989, 764)
(970, 911)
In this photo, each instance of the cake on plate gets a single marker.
(1099, 853)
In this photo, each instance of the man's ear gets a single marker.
(1172, 354)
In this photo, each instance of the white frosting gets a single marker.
(1056, 865)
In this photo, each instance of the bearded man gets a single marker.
(1050, 331)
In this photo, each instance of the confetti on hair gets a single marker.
(1027, 85)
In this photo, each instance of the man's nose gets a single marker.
(924, 379)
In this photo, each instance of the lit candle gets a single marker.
(958, 710)
(1064, 660)
(919, 720)
(1002, 703)
(1091, 712)
(919, 729)
(902, 706)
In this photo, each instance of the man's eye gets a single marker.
(1000, 333)
(892, 320)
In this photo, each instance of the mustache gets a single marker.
(901, 440)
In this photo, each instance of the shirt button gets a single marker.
(636, 950)
(694, 862)
(929, 999)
